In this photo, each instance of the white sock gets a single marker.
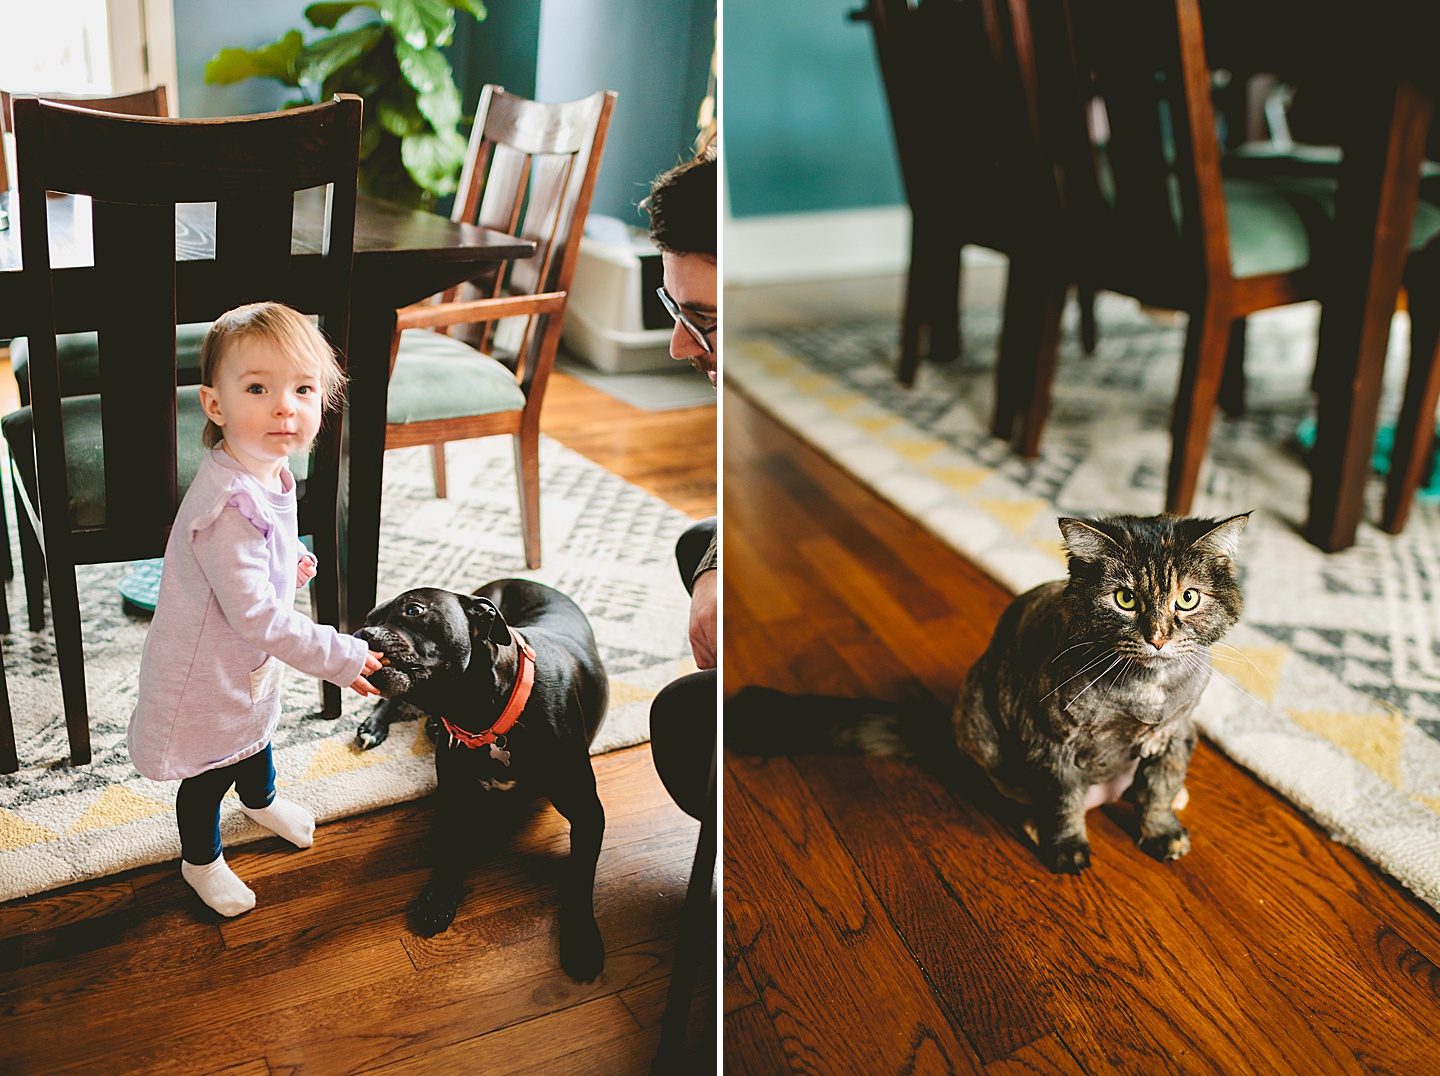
(288, 819)
(219, 886)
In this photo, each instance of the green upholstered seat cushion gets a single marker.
(1277, 220)
(439, 377)
(1274, 221)
(80, 359)
(85, 453)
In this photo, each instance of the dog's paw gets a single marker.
(372, 733)
(1168, 845)
(1068, 856)
(582, 951)
(434, 911)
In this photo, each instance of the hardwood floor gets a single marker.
(878, 919)
(131, 973)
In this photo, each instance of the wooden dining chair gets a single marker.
(964, 113)
(99, 477)
(530, 171)
(1160, 220)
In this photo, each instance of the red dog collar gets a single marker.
(519, 696)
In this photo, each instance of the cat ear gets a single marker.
(1222, 540)
(1086, 541)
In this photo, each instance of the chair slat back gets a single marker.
(531, 172)
(1161, 171)
(135, 172)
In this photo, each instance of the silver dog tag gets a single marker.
(496, 751)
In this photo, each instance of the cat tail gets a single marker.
(763, 721)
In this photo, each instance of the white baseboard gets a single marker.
(822, 246)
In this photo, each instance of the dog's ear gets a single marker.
(486, 623)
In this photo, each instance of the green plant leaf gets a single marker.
(420, 23)
(475, 7)
(325, 16)
(433, 159)
(328, 54)
(371, 134)
(398, 113)
(383, 174)
(275, 60)
(429, 72)
(425, 69)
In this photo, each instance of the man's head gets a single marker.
(683, 207)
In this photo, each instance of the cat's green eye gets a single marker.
(1189, 598)
(1125, 599)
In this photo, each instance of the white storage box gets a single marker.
(614, 320)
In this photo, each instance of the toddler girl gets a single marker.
(225, 619)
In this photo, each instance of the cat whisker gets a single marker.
(1238, 656)
(1118, 659)
(1258, 702)
(1082, 671)
(1076, 646)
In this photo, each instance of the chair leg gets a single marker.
(527, 476)
(32, 563)
(1415, 430)
(945, 296)
(1206, 342)
(7, 562)
(1089, 332)
(1029, 352)
(9, 756)
(70, 657)
(1232, 381)
(914, 328)
(325, 608)
(931, 325)
(437, 468)
(696, 932)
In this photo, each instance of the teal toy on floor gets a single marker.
(1380, 462)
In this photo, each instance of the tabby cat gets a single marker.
(1087, 687)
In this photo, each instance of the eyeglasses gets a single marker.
(699, 335)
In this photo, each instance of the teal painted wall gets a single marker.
(806, 127)
(654, 53)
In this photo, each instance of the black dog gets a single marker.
(453, 656)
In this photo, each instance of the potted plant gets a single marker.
(411, 148)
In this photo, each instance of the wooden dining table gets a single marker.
(401, 257)
(1378, 62)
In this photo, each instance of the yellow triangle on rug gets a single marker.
(15, 832)
(116, 806)
(1376, 741)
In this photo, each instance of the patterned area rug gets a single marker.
(607, 543)
(1335, 700)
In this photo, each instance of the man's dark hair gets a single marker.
(683, 207)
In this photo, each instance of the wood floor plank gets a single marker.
(858, 960)
(1043, 1057)
(588, 1026)
(752, 1047)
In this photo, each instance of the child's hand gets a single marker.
(361, 686)
(305, 570)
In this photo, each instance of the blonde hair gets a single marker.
(285, 328)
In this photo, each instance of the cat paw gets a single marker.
(582, 951)
(1070, 856)
(1166, 846)
(434, 911)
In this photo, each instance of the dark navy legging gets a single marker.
(197, 804)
